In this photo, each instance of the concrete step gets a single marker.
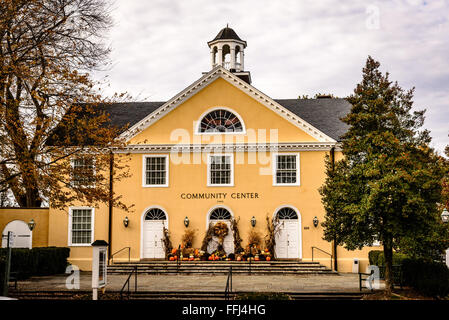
(219, 267)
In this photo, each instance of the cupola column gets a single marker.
(212, 58)
(232, 57)
(242, 60)
(220, 55)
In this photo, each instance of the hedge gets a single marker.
(37, 261)
(376, 258)
(428, 278)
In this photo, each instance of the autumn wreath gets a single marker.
(221, 230)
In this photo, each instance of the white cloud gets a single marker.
(294, 47)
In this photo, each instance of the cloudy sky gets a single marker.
(295, 47)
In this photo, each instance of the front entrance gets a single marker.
(288, 238)
(221, 214)
(154, 222)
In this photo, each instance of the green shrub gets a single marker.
(376, 258)
(37, 261)
(2, 273)
(428, 278)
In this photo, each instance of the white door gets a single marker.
(22, 234)
(221, 214)
(155, 220)
(228, 241)
(287, 239)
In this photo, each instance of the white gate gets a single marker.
(23, 236)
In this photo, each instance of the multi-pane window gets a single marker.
(83, 172)
(81, 226)
(220, 170)
(156, 171)
(220, 121)
(286, 169)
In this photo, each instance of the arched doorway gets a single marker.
(153, 224)
(288, 238)
(23, 236)
(222, 214)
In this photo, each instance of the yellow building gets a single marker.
(219, 149)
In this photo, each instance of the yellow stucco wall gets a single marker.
(40, 216)
(192, 178)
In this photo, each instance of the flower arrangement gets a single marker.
(221, 230)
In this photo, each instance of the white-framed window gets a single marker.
(286, 169)
(81, 226)
(83, 171)
(155, 171)
(220, 170)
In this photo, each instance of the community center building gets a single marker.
(218, 150)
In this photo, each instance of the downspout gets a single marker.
(332, 158)
(110, 201)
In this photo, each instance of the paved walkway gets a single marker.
(255, 283)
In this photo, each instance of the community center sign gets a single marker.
(220, 195)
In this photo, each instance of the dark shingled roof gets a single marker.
(323, 114)
(226, 34)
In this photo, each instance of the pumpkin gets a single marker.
(171, 258)
(211, 258)
(239, 258)
(268, 258)
(173, 251)
(216, 258)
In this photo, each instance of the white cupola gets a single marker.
(227, 50)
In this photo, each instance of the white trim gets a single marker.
(299, 224)
(298, 169)
(209, 184)
(167, 169)
(30, 244)
(220, 72)
(142, 221)
(197, 125)
(231, 147)
(92, 227)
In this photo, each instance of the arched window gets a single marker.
(220, 121)
(155, 214)
(220, 214)
(287, 214)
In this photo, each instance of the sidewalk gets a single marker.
(345, 282)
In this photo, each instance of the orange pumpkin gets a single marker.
(268, 258)
(173, 251)
(239, 258)
(217, 257)
(171, 258)
(211, 258)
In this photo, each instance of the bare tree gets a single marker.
(47, 49)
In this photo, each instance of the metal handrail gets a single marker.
(127, 282)
(178, 260)
(228, 288)
(362, 279)
(111, 258)
(323, 252)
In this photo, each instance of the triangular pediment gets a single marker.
(206, 80)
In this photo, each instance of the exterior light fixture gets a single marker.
(126, 222)
(445, 216)
(253, 221)
(315, 222)
(31, 224)
(186, 221)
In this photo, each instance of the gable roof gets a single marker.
(204, 81)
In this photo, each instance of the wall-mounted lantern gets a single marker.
(253, 221)
(445, 216)
(126, 222)
(315, 222)
(186, 221)
(31, 224)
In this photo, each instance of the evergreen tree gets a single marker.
(388, 185)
